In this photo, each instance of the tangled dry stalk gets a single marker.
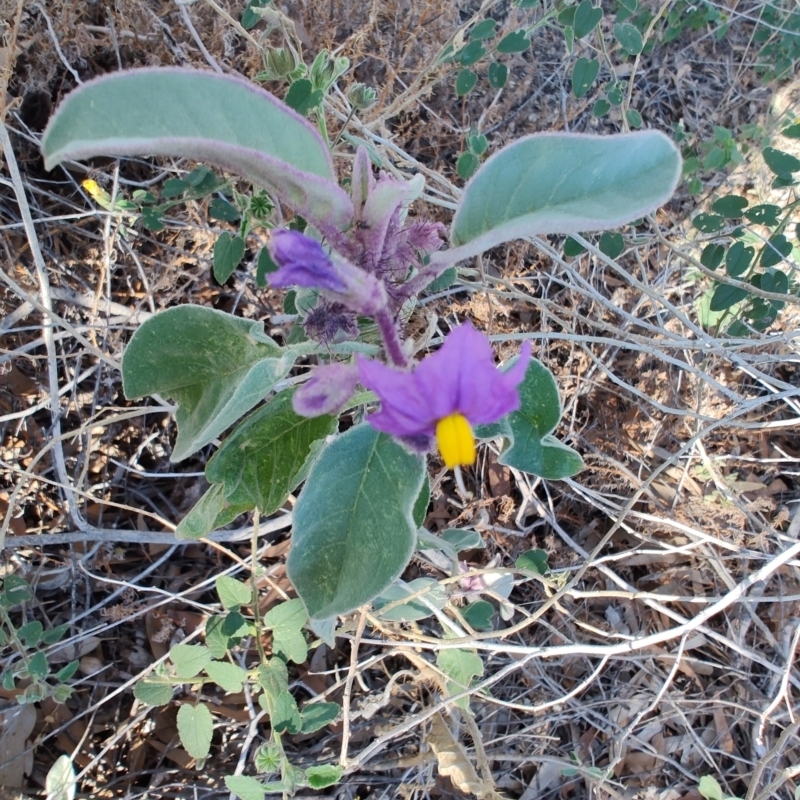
(662, 645)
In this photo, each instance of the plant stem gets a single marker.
(254, 583)
(391, 338)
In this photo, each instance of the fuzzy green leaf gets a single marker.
(196, 729)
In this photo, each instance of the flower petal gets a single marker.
(326, 391)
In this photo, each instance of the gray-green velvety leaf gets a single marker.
(233, 593)
(353, 531)
(153, 692)
(284, 714)
(214, 365)
(267, 455)
(316, 716)
(461, 540)
(245, 787)
(196, 729)
(461, 666)
(228, 676)
(422, 502)
(228, 253)
(323, 775)
(189, 659)
(204, 516)
(216, 119)
(530, 447)
(629, 37)
(286, 620)
(562, 183)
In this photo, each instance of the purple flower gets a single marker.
(302, 261)
(446, 394)
(326, 391)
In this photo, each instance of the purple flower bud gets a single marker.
(302, 261)
(326, 391)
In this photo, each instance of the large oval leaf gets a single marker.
(562, 183)
(216, 119)
(353, 530)
(214, 365)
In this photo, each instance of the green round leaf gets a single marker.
(515, 42)
(583, 74)
(612, 244)
(615, 92)
(712, 256)
(479, 615)
(601, 108)
(629, 37)
(465, 82)
(483, 30)
(587, 18)
(764, 214)
(473, 52)
(634, 118)
(709, 223)
(782, 164)
(726, 296)
(775, 250)
(533, 561)
(498, 75)
(196, 729)
(731, 206)
(323, 776)
(466, 165)
(233, 593)
(738, 259)
(228, 253)
(189, 660)
(153, 692)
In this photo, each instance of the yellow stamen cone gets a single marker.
(456, 441)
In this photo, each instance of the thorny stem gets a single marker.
(391, 338)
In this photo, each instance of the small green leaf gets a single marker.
(573, 247)
(584, 73)
(461, 666)
(353, 532)
(219, 208)
(533, 561)
(726, 296)
(315, 716)
(498, 75)
(65, 673)
(54, 634)
(611, 244)
(601, 108)
(174, 187)
(228, 253)
(38, 667)
(587, 18)
(323, 775)
(264, 267)
(420, 510)
(189, 660)
(712, 256)
(249, 17)
(782, 164)
(302, 97)
(245, 787)
(775, 250)
(286, 620)
(284, 715)
(764, 214)
(629, 5)
(465, 82)
(224, 632)
(634, 118)
(629, 37)
(60, 781)
(483, 30)
(477, 143)
(731, 206)
(273, 677)
(478, 615)
(472, 53)
(153, 692)
(615, 93)
(710, 789)
(738, 259)
(15, 591)
(466, 165)
(709, 223)
(196, 729)
(531, 448)
(792, 132)
(461, 540)
(229, 677)
(515, 42)
(31, 633)
(216, 366)
(233, 593)
(775, 281)
(715, 158)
